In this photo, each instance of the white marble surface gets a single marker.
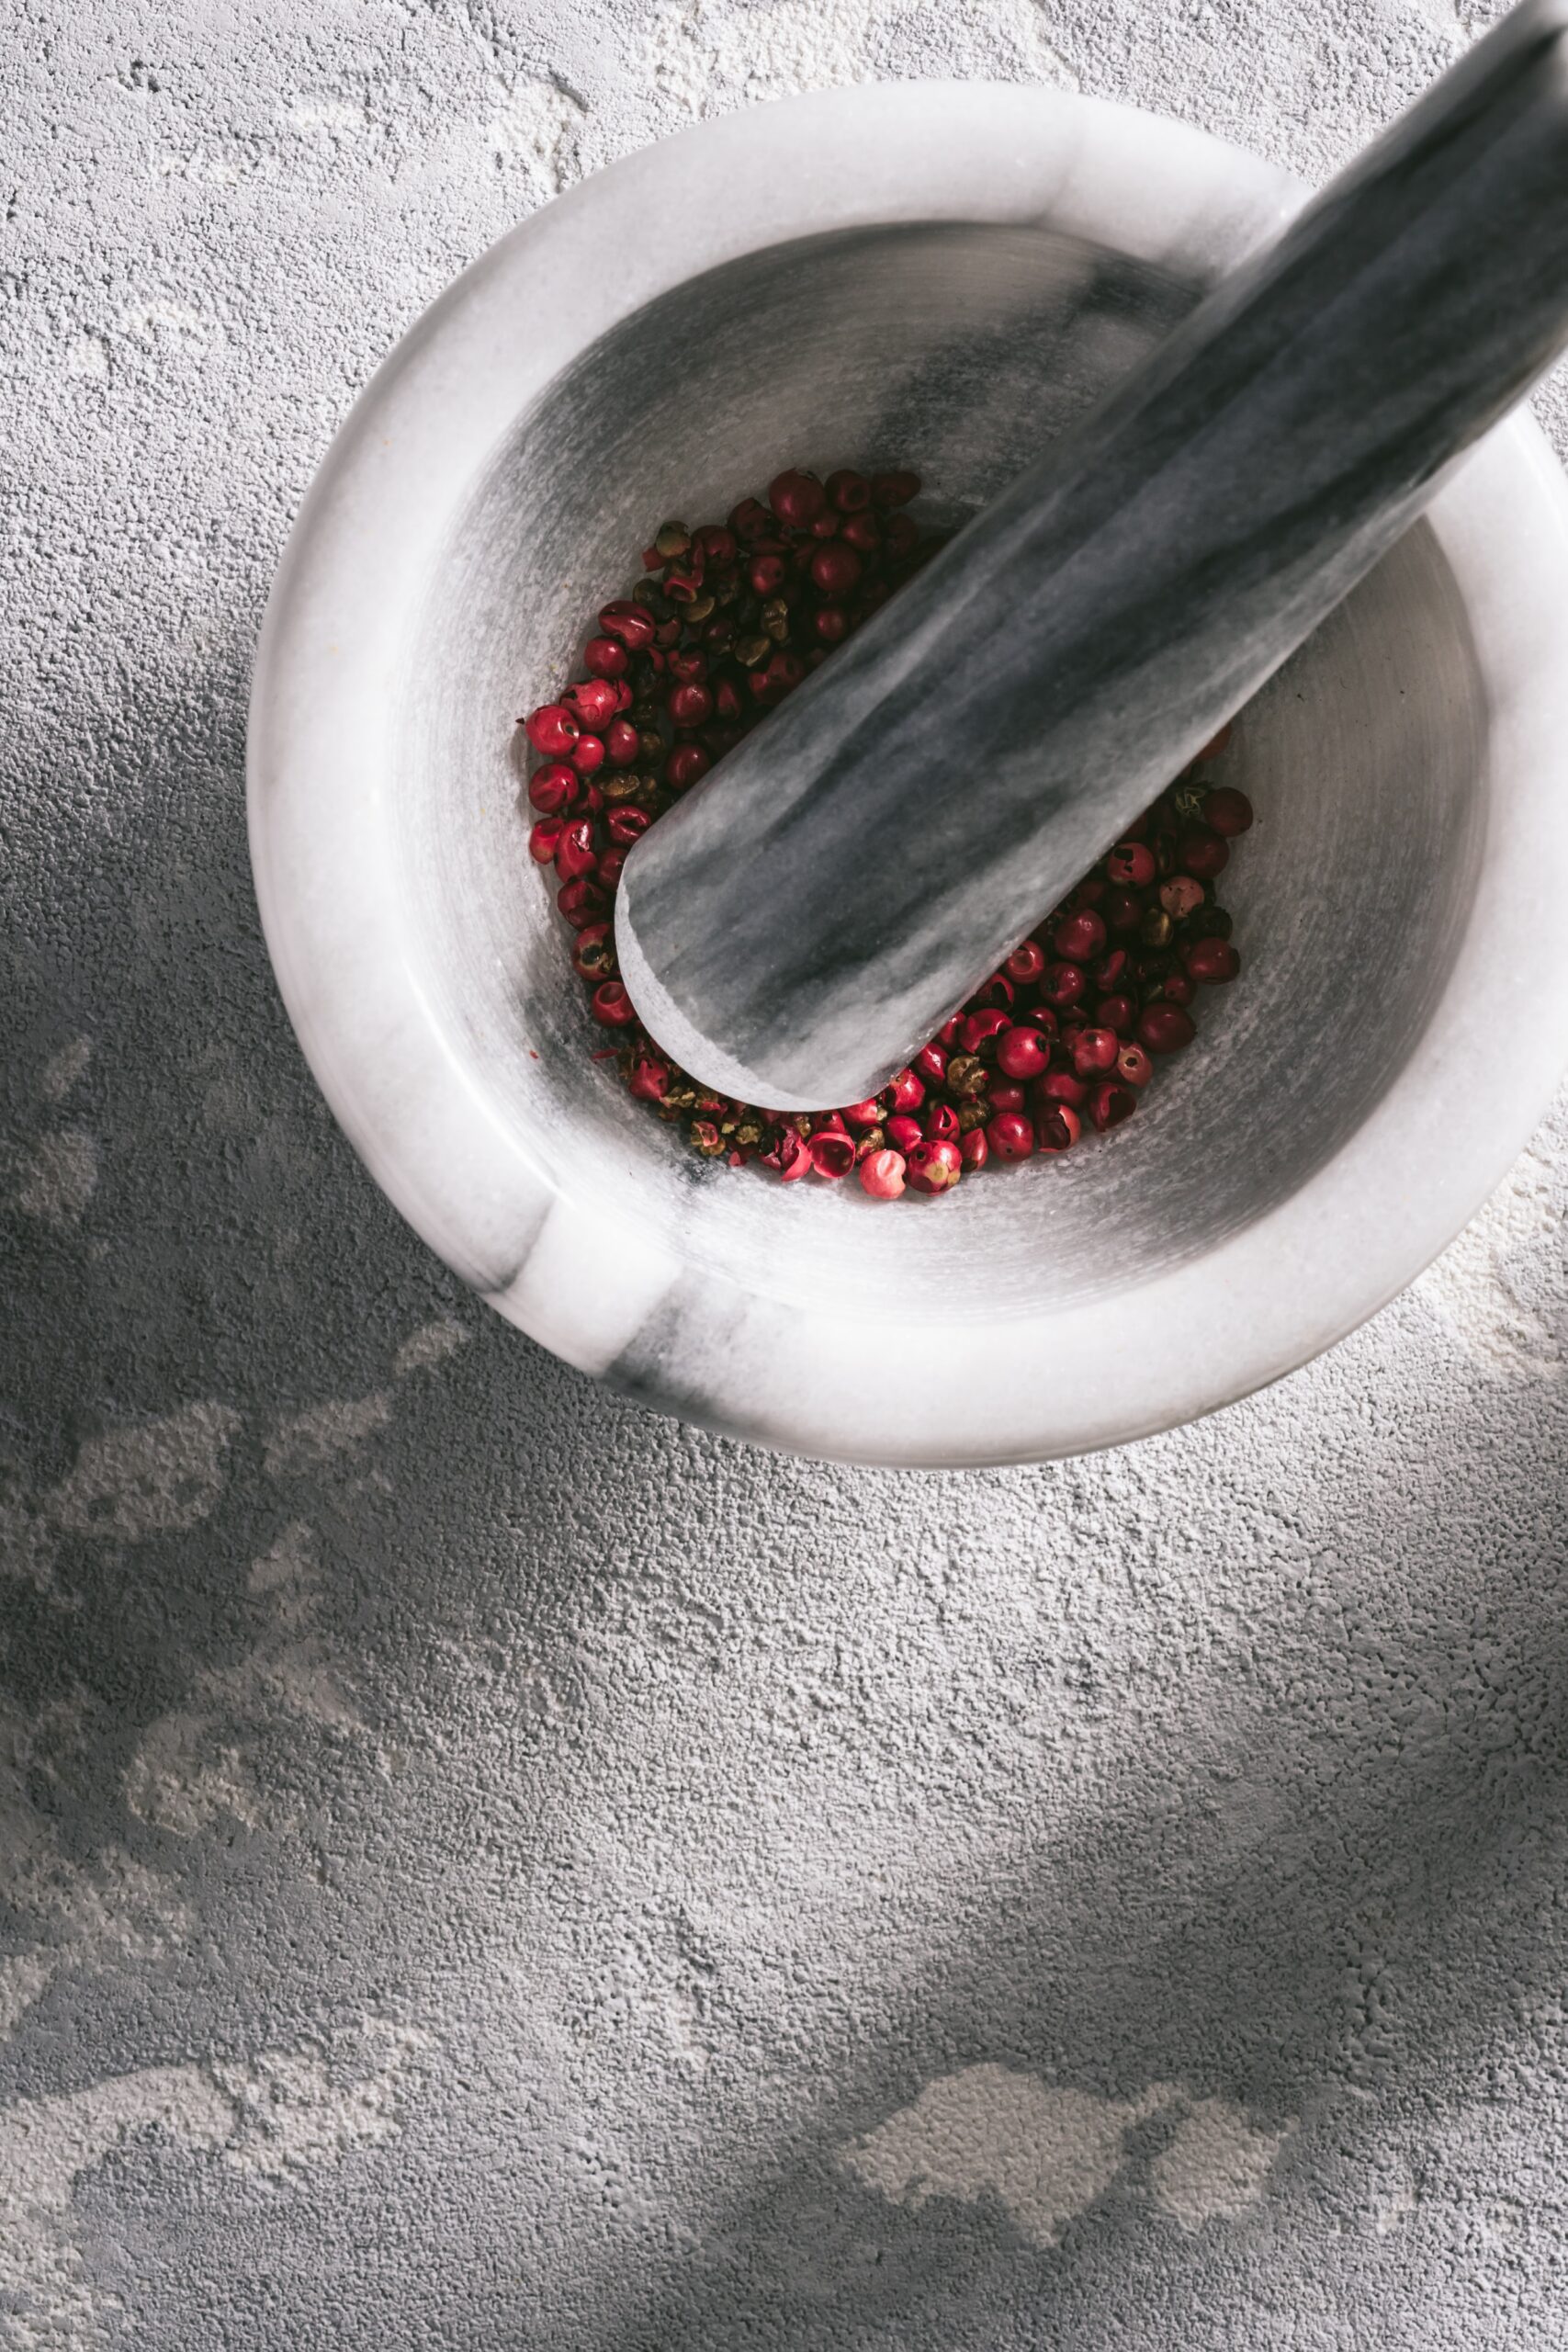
(420, 605)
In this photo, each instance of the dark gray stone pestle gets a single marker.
(811, 912)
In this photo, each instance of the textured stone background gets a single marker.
(482, 1867)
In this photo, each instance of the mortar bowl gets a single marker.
(941, 276)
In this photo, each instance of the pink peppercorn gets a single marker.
(797, 498)
(882, 1174)
(686, 763)
(1202, 852)
(1064, 984)
(1079, 936)
(933, 1166)
(581, 901)
(1058, 1129)
(832, 1154)
(974, 1150)
(836, 570)
(848, 491)
(587, 754)
(544, 839)
(592, 703)
(895, 488)
(577, 852)
(940, 1123)
(864, 1114)
(1131, 864)
(908, 1091)
(1134, 1066)
(1022, 1052)
(1109, 1103)
(1226, 811)
(931, 1064)
(1213, 961)
(553, 790)
(980, 1030)
(628, 624)
(612, 1005)
(1010, 1134)
(551, 729)
(1026, 962)
(622, 743)
(903, 1131)
(690, 706)
(1093, 1051)
(604, 658)
(1061, 1086)
(1164, 1028)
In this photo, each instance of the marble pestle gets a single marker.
(812, 912)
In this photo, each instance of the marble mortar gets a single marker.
(941, 273)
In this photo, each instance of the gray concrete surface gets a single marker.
(483, 1867)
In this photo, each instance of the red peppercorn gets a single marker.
(797, 498)
(1180, 897)
(1134, 1066)
(649, 1080)
(581, 903)
(1089, 893)
(612, 1005)
(849, 491)
(1202, 852)
(750, 519)
(767, 575)
(607, 872)
(1117, 1012)
(1064, 984)
(862, 532)
(940, 1122)
(1216, 743)
(1093, 1051)
(882, 1175)
(552, 728)
(997, 990)
(832, 624)
(780, 673)
(604, 658)
(544, 839)
(622, 743)
(794, 1158)
(931, 1064)
(688, 666)
(1179, 988)
(1164, 1028)
(832, 1154)
(1078, 936)
(836, 570)
(1058, 1127)
(981, 1030)
(1026, 962)
(1039, 1016)
(715, 545)
(1131, 864)
(1022, 1052)
(686, 763)
(906, 1089)
(895, 488)
(903, 1131)
(974, 1150)
(554, 788)
(1110, 1105)
(933, 1166)
(624, 825)
(1004, 1095)
(1227, 811)
(628, 624)
(576, 851)
(1060, 1086)
(690, 706)
(1121, 911)
(863, 1114)
(593, 952)
(1213, 961)
(591, 703)
(587, 754)
(1010, 1134)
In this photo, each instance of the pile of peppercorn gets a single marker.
(727, 621)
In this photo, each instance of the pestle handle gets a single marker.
(814, 911)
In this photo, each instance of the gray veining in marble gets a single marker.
(813, 911)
